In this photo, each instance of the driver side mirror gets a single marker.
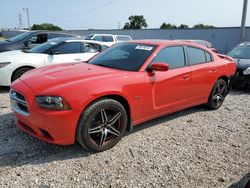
(158, 66)
(27, 43)
(54, 52)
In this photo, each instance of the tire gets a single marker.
(102, 125)
(217, 95)
(19, 72)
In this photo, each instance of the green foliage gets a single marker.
(202, 26)
(167, 26)
(46, 26)
(136, 22)
(183, 26)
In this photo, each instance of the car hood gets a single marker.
(53, 76)
(16, 56)
(242, 63)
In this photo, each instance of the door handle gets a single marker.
(186, 77)
(77, 59)
(213, 70)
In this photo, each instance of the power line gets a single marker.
(84, 12)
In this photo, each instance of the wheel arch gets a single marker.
(18, 68)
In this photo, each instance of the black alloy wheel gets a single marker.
(102, 125)
(217, 95)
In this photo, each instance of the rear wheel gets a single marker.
(102, 125)
(19, 72)
(217, 95)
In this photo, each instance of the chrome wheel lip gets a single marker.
(109, 128)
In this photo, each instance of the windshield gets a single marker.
(19, 37)
(124, 56)
(240, 52)
(89, 37)
(43, 48)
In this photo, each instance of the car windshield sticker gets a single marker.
(148, 48)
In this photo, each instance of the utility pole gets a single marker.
(243, 21)
(20, 21)
(28, 17)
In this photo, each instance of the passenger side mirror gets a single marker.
(158, 66)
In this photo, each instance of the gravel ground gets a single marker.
(191, 148)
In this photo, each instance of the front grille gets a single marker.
(19, 103)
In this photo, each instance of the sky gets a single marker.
(112, 14)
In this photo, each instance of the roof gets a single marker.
(74, 39)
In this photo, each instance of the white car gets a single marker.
(60, 50)
(108, 39)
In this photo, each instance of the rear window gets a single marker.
(195, 56)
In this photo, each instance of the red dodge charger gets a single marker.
(95, 102)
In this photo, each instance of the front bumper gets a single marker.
(57, 127)
(240, 80)
(5, 76)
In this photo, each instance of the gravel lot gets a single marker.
(191, 148)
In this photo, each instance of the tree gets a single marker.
(183, 26)
(167, 26)
(202, 26)
(136, 22)
(46, 26)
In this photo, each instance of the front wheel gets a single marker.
(19, 72)
(217, 95)
(102, 125)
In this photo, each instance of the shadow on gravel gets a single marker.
(237, 91)
(4, 89)
(18, 148)
(242, 183)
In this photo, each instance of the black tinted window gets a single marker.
(173, 56)
(69, 48)
(195, 55)
(125, 56)
(208, 57)
(107, 39)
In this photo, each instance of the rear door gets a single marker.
(203, 73)
(169, 90)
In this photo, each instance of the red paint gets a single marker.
(149, 94)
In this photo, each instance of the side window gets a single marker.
(39, 39)
(91, 48)
(107, 39)
(69, 48)
(173, 56)
(97, 38)
(195, 55)
(208, 57)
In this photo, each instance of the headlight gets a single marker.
(3, 64)
(52, 102)
(246, 71)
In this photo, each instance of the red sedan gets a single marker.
(94, 103)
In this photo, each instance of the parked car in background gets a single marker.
(94, 103)
(204, 43)
(241, 55)
(108, 39)
(30, 39)
(60, 50)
